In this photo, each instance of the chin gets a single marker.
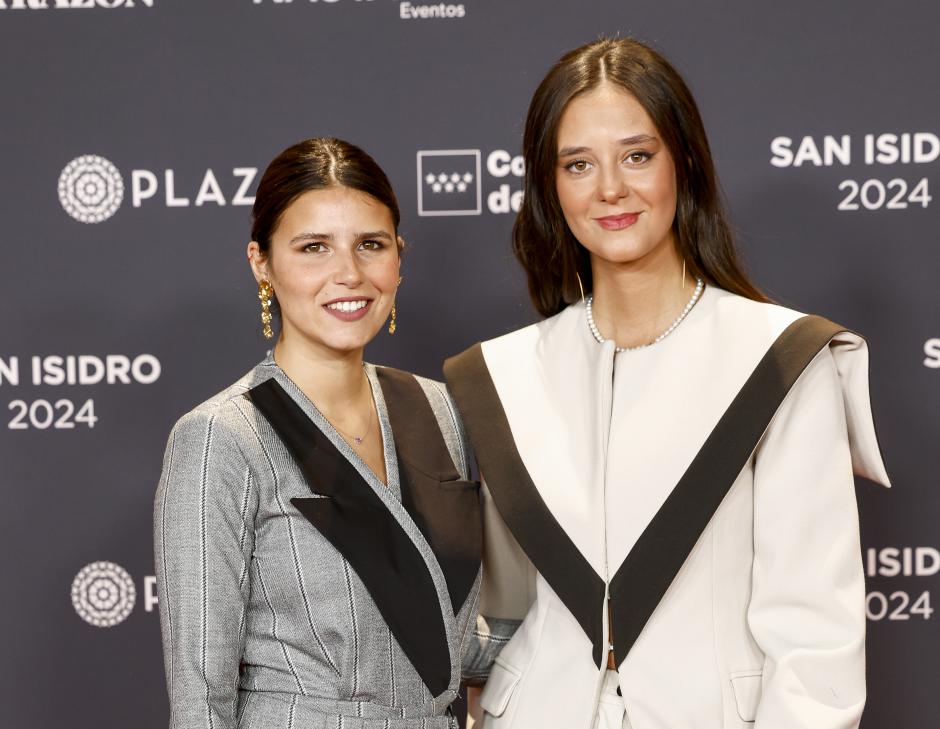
(620, 254)
(346, 343)
(625, 250)
(338, 338)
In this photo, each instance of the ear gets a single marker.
(401, 245)
(258, 261)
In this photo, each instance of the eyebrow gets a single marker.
(308, 236)
(373, 234)
(625, 142)
(329, 236)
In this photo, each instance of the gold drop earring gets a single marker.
(266, 294)
(393, 324)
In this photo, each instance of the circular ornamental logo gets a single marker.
(90, 189)
(103, 594)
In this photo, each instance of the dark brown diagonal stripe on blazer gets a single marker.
(529, 519)
(641, 581)
(445, 508)
(356, 522)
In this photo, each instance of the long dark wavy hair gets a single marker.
(548, 251)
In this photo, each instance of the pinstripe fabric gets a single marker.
(264, 623)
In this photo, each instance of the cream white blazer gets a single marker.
(696, 497)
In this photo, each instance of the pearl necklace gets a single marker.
(696, 295)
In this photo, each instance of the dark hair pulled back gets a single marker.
(315, 164)
(548, 251)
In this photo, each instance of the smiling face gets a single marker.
(615, 179)
(333, 263)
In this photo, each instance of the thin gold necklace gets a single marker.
(358, 439)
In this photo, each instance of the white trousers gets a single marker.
(611, 713)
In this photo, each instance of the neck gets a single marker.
(333, 380)
(635, 302)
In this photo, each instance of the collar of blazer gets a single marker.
(388, 547)
(641, 581)
(445, 508)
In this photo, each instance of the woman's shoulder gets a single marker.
(838, 361)
(767, 321)
(227, 413)
(211, 450)
(736, 310)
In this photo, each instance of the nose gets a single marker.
(612, 185)
(347, 271)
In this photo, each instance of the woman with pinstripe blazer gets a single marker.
(317, 541)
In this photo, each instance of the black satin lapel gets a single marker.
(529, 519)
(445, 509)
(355, 521)
(641, 581)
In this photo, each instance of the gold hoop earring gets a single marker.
(580, 285)
(266, 294)
(393, 324)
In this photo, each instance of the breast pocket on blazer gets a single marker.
(500, 687)
(448, 514)
(746, 686)
(458, 485)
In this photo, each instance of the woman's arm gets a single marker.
(203, 539)
(507, 592)
(807, 607)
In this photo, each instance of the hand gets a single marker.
(474, 711)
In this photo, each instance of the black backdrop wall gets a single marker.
(131, 137)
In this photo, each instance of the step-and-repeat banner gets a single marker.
(132, 137)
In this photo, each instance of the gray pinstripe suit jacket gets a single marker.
(266, 622)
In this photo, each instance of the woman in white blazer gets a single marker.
(668, 457)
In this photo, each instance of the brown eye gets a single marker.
(637, 158)
(578, 166)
